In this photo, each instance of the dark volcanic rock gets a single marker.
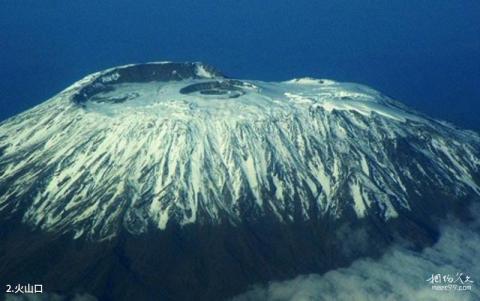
(193, 262)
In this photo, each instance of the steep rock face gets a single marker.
(175, 157)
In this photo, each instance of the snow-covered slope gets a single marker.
(162, 143)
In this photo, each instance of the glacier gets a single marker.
(155, 144)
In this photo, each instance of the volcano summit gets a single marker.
(171, 181)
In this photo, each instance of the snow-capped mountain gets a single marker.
(169, 181)
(157, 144)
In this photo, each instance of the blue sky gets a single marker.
(425, 53)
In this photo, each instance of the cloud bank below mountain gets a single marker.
(401, 274)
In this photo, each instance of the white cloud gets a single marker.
(400, 274)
